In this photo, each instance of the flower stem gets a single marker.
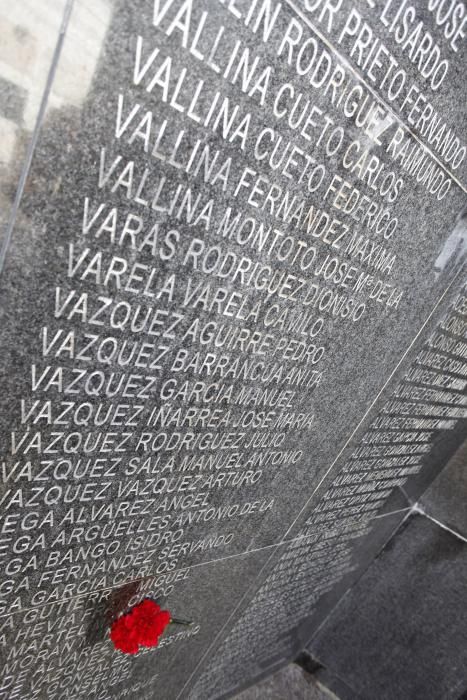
(177, 621)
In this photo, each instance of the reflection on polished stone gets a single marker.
(30, 33)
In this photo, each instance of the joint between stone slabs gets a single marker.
(392, 512)
(417, 509)
(245, 552)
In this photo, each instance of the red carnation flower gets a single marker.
(124, 636)
(150, 633)
(143, 626)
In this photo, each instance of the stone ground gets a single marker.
(290, 683)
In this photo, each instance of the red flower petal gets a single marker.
(148, 606)
(149, 639)
(142, 625)
(162, 620)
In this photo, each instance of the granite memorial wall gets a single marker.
(233, 322)
(400, 630)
